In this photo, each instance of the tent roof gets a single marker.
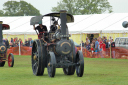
(106, 23)
(96, 23)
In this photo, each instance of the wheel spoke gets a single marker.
(35, 65)
(10, 60)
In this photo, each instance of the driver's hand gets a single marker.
(46, 36)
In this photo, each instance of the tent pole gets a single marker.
(110, 51)
(101, 33)
(19, 49)
(81, 40)
(24, 37)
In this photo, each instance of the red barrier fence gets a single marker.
(23, 50)
(117, 52)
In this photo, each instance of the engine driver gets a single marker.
(53, 27)
(41, 29)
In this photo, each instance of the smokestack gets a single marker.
(63, 16)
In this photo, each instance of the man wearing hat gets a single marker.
(41, 28)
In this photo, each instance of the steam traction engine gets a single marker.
(57, 51)
(3, 48)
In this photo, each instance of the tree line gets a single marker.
(74, 7)
(21, 8)
(82, 7)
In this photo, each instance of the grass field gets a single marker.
(96, 72)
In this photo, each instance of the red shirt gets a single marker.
(104, 47)
(14, 40)
(92, 49)
(101, 43)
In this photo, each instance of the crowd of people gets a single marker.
(14, 42)
(98, 44)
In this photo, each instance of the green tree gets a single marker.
(81, 7)
(1, 13)
(22, 8)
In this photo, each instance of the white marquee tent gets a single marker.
(97, 23)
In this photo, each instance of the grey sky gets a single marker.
(45, 6)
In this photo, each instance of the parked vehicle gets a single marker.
(121, 42)
(4, 47)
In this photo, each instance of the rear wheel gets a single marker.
(38, 58)
(80, 64)
(51, 67)
(10, 60)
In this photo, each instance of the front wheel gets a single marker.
(71, 69)
(51, 66)
(80, 64)
(10, 60)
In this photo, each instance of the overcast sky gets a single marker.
(45, 6)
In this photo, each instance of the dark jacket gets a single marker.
(107, 45)
(7, 43)
(113, 44)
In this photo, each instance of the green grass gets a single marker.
(96, 72)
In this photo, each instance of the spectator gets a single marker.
(31, 42)
(11, 43)
(26, 43)
(104, 49)
(113, 46)
(21, 43)
(112, 43)
(93, 41)
(16, 41)
(92, 47)
(6, 43)
(16, 45)
(110, 38)
(99, 38)
(104, 39)
(107, 44)
(101, 46)
(96, 45)
(87, 40)
(82, 43)
(88, 46)
(12, 40)
(100, 43)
